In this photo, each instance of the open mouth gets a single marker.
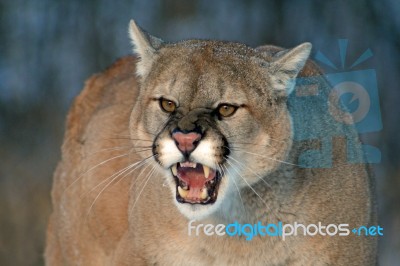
(195, 183)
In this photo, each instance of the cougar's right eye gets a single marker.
(167, 105)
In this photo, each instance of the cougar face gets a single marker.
(216, 115)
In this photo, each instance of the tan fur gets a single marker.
(98, 220)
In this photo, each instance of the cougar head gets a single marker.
(215, 113)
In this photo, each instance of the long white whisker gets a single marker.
(146, 132)
(246, 167)
(252, 144)
(128, 136)
(238, 190)
(148, 178)
(269, 158)
(103, 162)
(119, 148)
(277, 140)
(145, 161)
(139, 175)
(119, 173)
(280, 140)
(255, 192)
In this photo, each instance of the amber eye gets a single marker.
(167, 105)
(226, 110)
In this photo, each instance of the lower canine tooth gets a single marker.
(206, 170)
(183, 193)
(174, 170)
(204, 193)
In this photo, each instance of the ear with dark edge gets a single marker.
(287, 66)
(145, 46)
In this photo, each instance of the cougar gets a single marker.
(184, 138)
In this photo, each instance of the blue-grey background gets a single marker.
(48, 48)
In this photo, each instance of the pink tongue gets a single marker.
(191, 176)
(194, 178)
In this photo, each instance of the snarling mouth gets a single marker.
(195, 183)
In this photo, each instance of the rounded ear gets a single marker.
(286, 66)
(145, 46)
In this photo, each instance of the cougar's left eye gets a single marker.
(167, 105)
(226, 110)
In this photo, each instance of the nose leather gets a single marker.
(186, 142)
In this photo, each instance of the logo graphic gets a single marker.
(250, 231)
(349, 99)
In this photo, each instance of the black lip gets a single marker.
(212, 191)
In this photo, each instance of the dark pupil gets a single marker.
(169, 105)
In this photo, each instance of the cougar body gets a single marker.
(201, 130)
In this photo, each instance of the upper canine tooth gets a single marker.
(206, 170)
(174, 170)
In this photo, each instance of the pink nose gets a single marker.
(186, 142)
